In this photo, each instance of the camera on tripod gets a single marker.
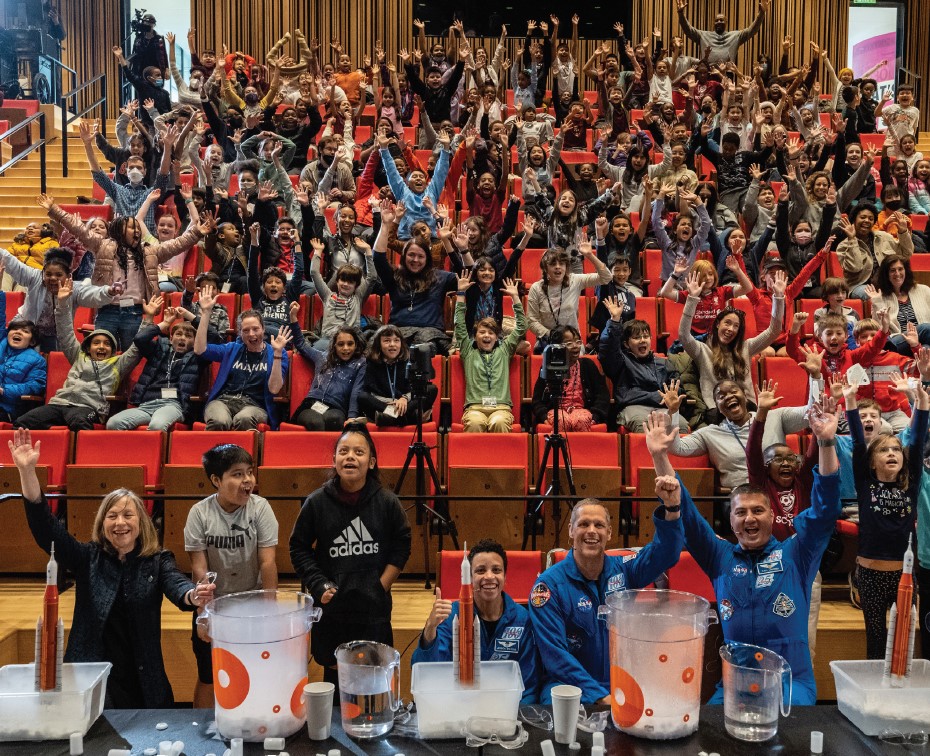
(139, 24)
(554, 363)
(420, 363)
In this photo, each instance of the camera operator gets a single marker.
(578, 388)
(148, 47)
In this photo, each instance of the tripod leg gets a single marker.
(531, 516)
(450, 523)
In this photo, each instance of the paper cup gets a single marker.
(318, 697)
(565, 702)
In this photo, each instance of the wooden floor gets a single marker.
(841, 633)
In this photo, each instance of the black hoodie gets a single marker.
(350, 545)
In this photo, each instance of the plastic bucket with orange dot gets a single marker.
(753, 691)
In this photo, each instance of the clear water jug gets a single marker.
(369, 687)
(753, 692)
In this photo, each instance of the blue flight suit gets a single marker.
(512, 641)
(572, 642)
(763, 596)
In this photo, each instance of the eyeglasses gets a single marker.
(893, 737)
(482, 731)
(780, 459)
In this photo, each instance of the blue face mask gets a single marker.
(159, 82)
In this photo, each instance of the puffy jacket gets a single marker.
(513, 640)
(22, 371)
(764, 596)
(33, 255)
(157, 350)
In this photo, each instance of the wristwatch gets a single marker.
(674, 508)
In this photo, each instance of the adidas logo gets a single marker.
(355, 540)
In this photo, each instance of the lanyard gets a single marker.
(170, 366)
(555, 314)
(735, 435)
(392, 379)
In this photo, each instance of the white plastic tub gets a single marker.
(53, 715)
(871, 707)
(443, 706)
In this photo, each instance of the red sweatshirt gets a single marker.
(761, 299)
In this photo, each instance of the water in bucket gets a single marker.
(752, 691)
(260, 642)
(656, 654)
(369, 687)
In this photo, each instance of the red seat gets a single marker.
(647, 308)
(636, 457)
(742, 303)
(55, 456)
(810, 306)
(522, 570)
(58, 367)
(301, 377)
(792, 380)
(457, 392)
(919, 222)
(670, 318)
(14, 300)
(90, 211)
(186, 448)
(687, 576)
(652, 269)
(529, 266)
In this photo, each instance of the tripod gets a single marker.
(557, 446)
(419, 451)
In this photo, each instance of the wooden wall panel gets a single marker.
(254, 25)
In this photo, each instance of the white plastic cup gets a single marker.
(565, 702)
(318, 697)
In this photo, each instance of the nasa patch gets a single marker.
(783, 606)
(540, 595)
(726, 610)
(506, 646)
(584, 604)
(764, 581)
(512, 633)
(740, 570)
(616, 583)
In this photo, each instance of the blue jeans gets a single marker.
(158, 414)
(122, 322)
(897, 341)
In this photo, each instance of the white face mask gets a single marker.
(135, 175)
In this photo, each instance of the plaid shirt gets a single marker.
(128, 199)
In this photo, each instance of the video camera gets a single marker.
(554, 363)
(420, 362)
(138, 24)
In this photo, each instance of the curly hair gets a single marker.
(117, 232)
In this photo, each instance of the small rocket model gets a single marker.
(466, 633)
(899, 651)
(50, 633)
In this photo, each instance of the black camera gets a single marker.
(139, 24)
(554, 363)
(420, 362)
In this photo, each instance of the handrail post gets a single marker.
(42, 151)
(64, 137)
(103, 106)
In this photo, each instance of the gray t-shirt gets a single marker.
(232, 540)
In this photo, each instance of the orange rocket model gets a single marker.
(899, 651)
(50, 631)
(466, 636)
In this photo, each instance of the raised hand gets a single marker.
(442, 609)
(280, 340)
(65, 289)
(25, 454)
(668, 489)
(767, 396)
(153, 306)
(813, 361)
(660, 432)
(207, 298)
(798, 321)
(823, 419)
(464, 281)
(207, 223)
(45, 201)
(671, 395)
(511, 288)
(693, 284)
(779, 283)
(614, 307)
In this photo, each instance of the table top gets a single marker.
(135, 730)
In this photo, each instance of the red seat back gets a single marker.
(105, 448)
(637, 456)
(187, 447)
(687, 576)
(522, 570)
(457, 388)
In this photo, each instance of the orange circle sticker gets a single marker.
(265, 655)
(622, 683)
(230, 679)
(759, 656)
(276, 708)
(688, 675)
(297, 704)
(649, 712)
(663, 658)
(754, 688)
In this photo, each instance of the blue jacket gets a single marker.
(226, 355)
(572, 642)
(513, 640)
(764, 596)
(22, 371)
(337, 387)
(413, 201)
(923, 505)
(418, 309)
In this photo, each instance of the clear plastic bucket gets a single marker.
(260, 642)
(656, 654)
(753, 679)
(369, 687)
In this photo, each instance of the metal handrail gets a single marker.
(67, 120)
(58, 63)
(40, 145)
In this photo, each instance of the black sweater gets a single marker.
(350, 545)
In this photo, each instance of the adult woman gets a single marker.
(122, 257)
(417, 290)
(864, 248)
(584, 400)
(30, 246)
(120, 577)
(350, 543)
(907, 302)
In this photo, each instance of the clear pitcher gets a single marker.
(656, 660)
(369, 687)
(753, 691)
(260, 641)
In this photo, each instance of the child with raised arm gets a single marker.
(343, 305)
(486, 362)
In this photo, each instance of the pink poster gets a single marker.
(872, 51)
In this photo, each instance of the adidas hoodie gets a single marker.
(350, 545)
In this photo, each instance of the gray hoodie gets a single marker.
(90, 382)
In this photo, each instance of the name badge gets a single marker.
(489, 401)
(390, 411)
(319, 407)
(769, 567)
(169, 393)
(127, 302)
(226, 288)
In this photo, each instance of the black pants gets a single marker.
(409, 417)
(75, 417)
(331, 420)
(877, 593)
(923, 591)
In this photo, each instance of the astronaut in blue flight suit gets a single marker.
(763, 585)
(573, 645)
(506, 634)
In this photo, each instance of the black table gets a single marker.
(135, 729)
